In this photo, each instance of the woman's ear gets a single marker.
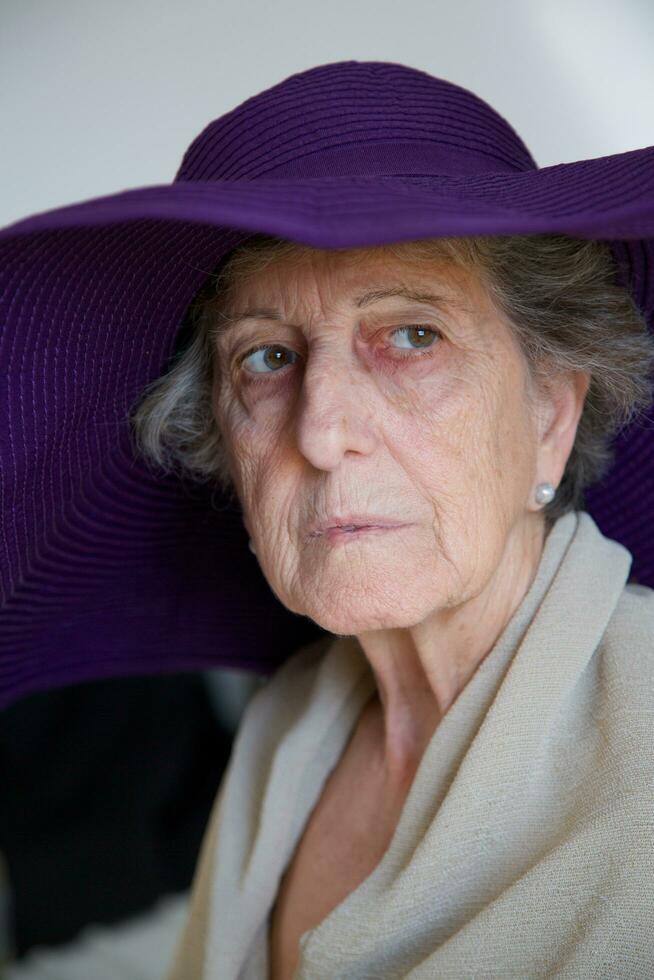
(562, 403)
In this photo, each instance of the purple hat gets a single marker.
(110, 569)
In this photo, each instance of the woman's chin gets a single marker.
(351, 617)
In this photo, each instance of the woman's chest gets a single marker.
(345, 838)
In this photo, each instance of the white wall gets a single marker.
(98, 97)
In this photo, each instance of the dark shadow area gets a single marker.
(106, 791)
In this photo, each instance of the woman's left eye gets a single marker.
(424, 336)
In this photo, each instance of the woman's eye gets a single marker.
(267, 359)
(416, 336)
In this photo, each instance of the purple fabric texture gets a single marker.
(109, 568)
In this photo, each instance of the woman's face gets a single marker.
(367, 385)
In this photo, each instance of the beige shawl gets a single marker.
(525, 847)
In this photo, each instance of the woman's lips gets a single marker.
(344, 534)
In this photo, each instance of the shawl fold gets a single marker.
(524, 847)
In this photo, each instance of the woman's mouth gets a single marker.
(341, 534)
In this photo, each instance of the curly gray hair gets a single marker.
(561, 297)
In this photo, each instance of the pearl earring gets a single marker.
(544, 493)
(251, 547)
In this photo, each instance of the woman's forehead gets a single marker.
(351, 274)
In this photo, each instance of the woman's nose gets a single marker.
(334, 416)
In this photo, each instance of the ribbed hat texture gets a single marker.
(109, 568)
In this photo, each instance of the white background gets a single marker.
(97, 97)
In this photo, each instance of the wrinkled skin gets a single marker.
(453, 439)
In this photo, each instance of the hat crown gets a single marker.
(349, 118)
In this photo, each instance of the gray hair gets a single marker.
(560, 295)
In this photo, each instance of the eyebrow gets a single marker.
(364, 299)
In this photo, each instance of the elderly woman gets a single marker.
(395, 422)
(454, 779)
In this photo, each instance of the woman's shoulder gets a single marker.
(625, 677)
(629, 635)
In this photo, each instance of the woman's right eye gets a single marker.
(268, 358)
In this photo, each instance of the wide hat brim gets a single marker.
(109, 568)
